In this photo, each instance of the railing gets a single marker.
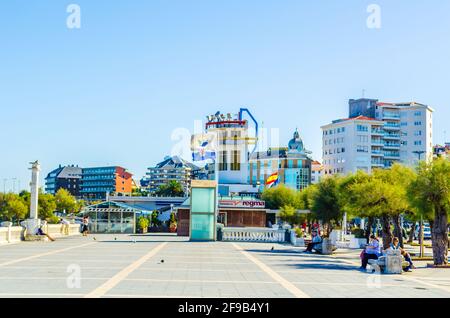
(10, 234)
(392, 136)
(254, 235)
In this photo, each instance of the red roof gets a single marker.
(359, 118)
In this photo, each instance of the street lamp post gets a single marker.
(420, 153)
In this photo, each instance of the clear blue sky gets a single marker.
(112, 92)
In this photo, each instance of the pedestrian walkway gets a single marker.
(169, 266)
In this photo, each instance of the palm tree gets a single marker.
(171, 189)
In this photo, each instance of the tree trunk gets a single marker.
(369, 228)
(439, 234)
(420, 238)
(411, 233)
(398, 229)
(386, 231)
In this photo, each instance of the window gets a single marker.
(418, 133)
(223, 166)
(417, 123)
(418, 143)
(362, 128)
(418, 113)
(362, 149)
(362, 138)
(236, 164)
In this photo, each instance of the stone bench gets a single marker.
(36, 238)
(392, 263)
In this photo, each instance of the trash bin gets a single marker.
(219, 232)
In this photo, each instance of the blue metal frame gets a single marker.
(241, 111)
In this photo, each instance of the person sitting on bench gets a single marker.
(316, 240)
(372, 251)
(396, 246)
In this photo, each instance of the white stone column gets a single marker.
(33, 223)
(35, 168)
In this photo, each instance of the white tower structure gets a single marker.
(33, 223)
(235, 141)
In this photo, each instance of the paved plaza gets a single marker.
(169, 266)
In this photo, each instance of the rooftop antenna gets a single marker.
(363, 93)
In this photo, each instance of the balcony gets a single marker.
(378, 163)
(378, 132)
(392, 155)
(391, 115)
(377, 153)
(391, 136)
(377, 142)
(391, 126)
(392, 146)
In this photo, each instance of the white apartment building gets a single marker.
(392, 132)
(352, 144)
(317, 171)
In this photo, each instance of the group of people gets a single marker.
(65, 226)
(373, 251)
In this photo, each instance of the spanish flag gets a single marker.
(272, 180)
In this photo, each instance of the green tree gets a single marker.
(171, 189)
(154, 218)
(349, 195)
(46, 205)
(398, 178)
(65, 202)
(14, 208)
(380, 195)
(326, 203)
(280, 196)
(430, 191)
(143, 223)
(289, 214)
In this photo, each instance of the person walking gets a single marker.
(85, 229)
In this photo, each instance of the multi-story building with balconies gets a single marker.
(377, 135)
(171, 169)
(68, 178)
(98, 183)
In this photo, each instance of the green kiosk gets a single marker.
(203, 214)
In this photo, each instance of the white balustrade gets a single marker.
(253, 235)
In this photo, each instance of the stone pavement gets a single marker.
(169, 266)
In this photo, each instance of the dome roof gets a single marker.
(296, 143)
